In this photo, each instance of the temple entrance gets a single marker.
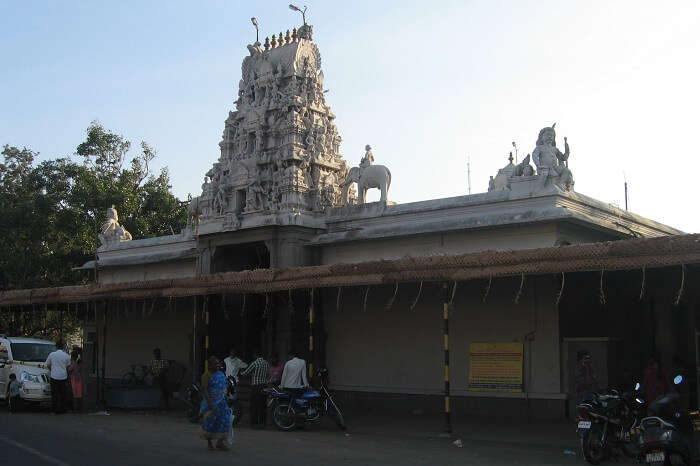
(238, 257)
(238, 324)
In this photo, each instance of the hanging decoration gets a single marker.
(364, 301)
(452, 295)
(415, 301)
(393, 297)
(243, 305)
(520, 290)
(679, 295)
(603, 300)
(153, 305)
(561, 291)
(267, 305)
(488, 289)
(227, 315)
(337, 299)
(642, 289)
(143, 310)
(290, 302)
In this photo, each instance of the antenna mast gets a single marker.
(469, 174)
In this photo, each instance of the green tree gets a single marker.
(52, 211)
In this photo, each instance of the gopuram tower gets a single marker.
(280, 162)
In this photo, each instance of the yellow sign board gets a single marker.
(496, 367)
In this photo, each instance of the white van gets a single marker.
(25, 357)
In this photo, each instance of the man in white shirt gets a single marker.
(234, 364)
(58, 362)
(294, 376)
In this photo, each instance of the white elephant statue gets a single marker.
(373, 176)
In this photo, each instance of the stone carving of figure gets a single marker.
(259, 141)
(492, 184)
(524, 168)
(111, 231)
(254, 197)
(219, 202)
(311, 140)
(368, 159)
(550, 161)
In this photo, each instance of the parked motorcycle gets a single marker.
(668, 436)
(232, 399)
(309, 407)
(609, 423)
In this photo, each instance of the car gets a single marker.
(25, 357)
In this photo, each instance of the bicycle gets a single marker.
(138, 375)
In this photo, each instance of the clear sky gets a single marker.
(426, 84)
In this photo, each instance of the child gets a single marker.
(13, 398)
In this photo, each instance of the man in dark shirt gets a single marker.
(586, 378)
(159, 369)
(259, 367)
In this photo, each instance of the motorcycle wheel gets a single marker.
(193, 416)
(237, 413)
(284, 417)
(592, 450)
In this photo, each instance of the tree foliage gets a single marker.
(51, 211)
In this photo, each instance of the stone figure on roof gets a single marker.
(368, 158)
(111, 231)
(551, 162)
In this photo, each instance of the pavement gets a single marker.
(166, 438)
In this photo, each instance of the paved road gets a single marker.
(134, 439)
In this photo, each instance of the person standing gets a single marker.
(75, 374)
(586, 378)
(294, 376)
(274, 373)
(234, 364)
(259, 367)
(216, 414)
(159, 369)
(57, 362)
(654, 382)
(14, 401)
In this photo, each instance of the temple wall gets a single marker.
(130, 340)
(139, 272)
(522, 237)
(400, 350)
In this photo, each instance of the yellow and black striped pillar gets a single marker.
(206, 333)
(311, 335)
(195, 367)
(446, 349)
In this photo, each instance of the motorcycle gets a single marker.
(668, 433)
(308, 407)
(193, 401)
(232, 399)
(608, 423)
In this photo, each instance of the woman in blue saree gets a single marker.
(217, 419)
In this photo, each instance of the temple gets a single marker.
(281, 197)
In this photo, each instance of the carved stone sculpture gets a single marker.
(366, 177)
(524, 168)
(111, 232)
(278, 141)
(552, 164)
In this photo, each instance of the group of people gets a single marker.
(65, 373)
(655, 381)
(217, 417)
